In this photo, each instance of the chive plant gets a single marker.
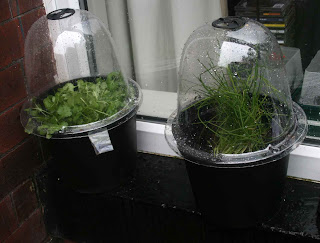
(239, 106)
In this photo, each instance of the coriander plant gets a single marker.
(77, 103)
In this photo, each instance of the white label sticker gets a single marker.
(101, 142)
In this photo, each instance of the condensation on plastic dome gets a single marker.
(240, 57)
(74, 45)
(67, 45)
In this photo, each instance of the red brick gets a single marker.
(12, 88)
(8, 220)
(19, 165)
(24, 200)
(23, 6)
(29, 18)
(5, 11)
(31, 231)
(11, 130)
(11, 42)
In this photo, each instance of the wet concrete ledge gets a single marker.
(157, 205)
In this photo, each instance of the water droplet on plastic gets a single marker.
(274, 150)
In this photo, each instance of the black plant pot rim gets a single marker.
(78, 131)
(271, 153)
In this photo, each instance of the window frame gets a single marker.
(304, 162)
(51, 5)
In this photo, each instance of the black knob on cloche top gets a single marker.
(60, 13)
(230, 23)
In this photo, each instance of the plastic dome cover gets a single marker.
(234, 102)
(73, 73)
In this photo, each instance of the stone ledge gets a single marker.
(157, 205)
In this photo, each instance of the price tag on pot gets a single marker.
(101, 142)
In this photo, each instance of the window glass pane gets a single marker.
(295, 23)
(150, 35)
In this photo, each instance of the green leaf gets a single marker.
(49, 102)
(29, 127)
(78, 103)
(64, 111)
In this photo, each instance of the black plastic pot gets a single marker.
(235, 121)
(87, 172)
(238, 197)
(233, 190)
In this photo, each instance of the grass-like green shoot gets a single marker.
(240, 109)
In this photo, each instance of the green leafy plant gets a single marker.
(77, 103)
(236, 112)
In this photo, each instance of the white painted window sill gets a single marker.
(304, 161)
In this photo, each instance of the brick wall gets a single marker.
(20, 212)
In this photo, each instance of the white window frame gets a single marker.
(304, 161)
(51, 5)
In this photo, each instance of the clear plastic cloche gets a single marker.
(70, 56)
(234, 102)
